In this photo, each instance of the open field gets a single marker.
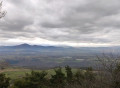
(15, 73)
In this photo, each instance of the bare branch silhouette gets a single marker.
(2, 13)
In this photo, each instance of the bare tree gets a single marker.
(2, 13)
(109, 72)
(108, 62)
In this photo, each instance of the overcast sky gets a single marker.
(61, 22)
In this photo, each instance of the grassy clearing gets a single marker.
(15, 73)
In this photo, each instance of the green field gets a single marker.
(16, 73)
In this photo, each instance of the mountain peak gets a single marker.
(24, 45)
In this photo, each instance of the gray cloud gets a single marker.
(61, 21)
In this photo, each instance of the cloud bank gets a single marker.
(61, 22)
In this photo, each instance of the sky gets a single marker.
(76, 23)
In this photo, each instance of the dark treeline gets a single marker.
(108, 78)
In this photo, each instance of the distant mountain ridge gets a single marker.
(25, 45)
(41, 48)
